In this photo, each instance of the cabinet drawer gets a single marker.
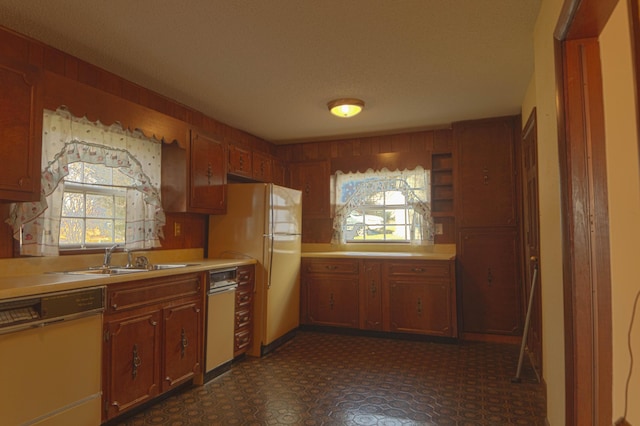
(419, 269)
(243, 299)
(243, 318)
(330, 266)
(135, 294)
(242, 340)
(245, 275)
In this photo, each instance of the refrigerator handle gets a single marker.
(268, 256)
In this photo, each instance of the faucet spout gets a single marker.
(107, 255)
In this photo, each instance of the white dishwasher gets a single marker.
(50, 358)
(221, 303)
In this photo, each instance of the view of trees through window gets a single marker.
(381, 209)
(94, 206)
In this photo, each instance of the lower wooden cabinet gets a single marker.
(404, 296)
(152, 339)
(371, 295)
(243, 329)
(490, 282)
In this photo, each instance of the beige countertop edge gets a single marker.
(379, 255)
(31, 285)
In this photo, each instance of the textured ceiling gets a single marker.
(270, 67)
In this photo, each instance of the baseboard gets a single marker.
(265, 349)
(382, 334)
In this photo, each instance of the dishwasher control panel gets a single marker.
(39, 310)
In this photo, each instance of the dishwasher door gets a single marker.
(220, 327)
(50, 375)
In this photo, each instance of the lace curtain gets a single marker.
(67, 139)
(352, 190)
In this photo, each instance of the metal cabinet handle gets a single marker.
(373, 287)
(184, 342)
(135, 362)
(331, 301)
(489, 276)
(419, 307)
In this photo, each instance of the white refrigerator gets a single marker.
(263, 222)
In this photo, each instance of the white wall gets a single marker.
(550, 214)
(623, 183)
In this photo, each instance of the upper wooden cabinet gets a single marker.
(312, 178)
(195, 181)
(239, 161)
(486, 174)
(20, 130)
(262, 165)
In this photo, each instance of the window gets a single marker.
(100, 186)
(94, 206)
(382, 206)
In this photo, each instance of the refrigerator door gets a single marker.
(239, 233)
(286, 210)
(282, 310)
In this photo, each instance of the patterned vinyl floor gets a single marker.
(332, 379)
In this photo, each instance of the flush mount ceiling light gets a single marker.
(345, 108)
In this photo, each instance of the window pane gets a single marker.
(73, 204)
(119, 231)
(97, 173)
(121, 179)
(99, 231)
(121, 207)
(71, 231)
(75, 172)
(100, 206)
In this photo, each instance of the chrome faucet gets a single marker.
(107, 255)
(129, 258)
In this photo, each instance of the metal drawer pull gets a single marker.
(331, 267)
(136, 362)
(184, 342)
(418, 269)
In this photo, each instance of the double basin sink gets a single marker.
(118, 270)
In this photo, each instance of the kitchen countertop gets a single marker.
(47, 282)
(378, 251)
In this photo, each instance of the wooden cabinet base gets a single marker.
(393, 296)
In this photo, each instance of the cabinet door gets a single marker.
(182, 343)
(20, 131)
(419, 307)
(370, 296)
(208, 175)
(312, 178)
(262, 167)
(332, 300)
(132, 362)
(239, 161)
(486, 173)
(489, 281)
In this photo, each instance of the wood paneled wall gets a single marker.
(89, 90)
(398, 151)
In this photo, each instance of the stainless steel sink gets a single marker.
(104, 271)
(115, 270)
(158, 266)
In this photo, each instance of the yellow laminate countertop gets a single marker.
(48, 282)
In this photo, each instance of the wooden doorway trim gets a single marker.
(531, 238)
(586, 265)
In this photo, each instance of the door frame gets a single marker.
(586, 264)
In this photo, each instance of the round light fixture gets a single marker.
(345, 108)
